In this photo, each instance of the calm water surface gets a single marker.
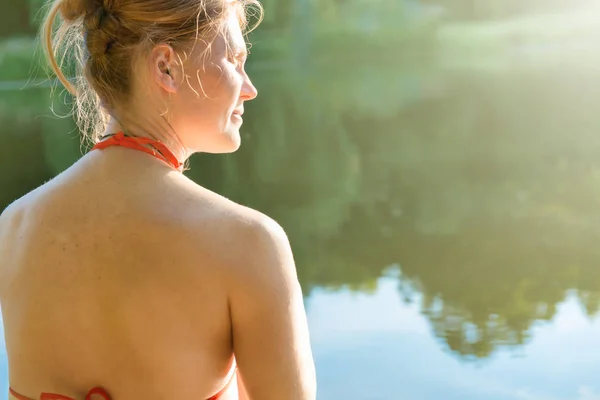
(378, 347)
(444, 223)
(375, 346)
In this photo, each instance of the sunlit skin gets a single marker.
(124, 273)
(201, 95)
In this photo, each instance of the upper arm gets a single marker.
(270, 331)
(7, 224)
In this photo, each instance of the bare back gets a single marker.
(121, 277)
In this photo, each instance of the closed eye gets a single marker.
(238, 56)
(241, 57)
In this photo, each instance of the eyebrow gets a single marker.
(239, 50)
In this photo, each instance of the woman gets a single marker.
(123, 276)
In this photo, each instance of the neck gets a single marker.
(172, 142)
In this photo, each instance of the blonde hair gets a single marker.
(98, 42)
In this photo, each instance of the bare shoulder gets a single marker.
(7, 214)
(252, 250)
(262, 258)
(10, 218)
(11, 221)
(269, 325)
(6, 218)
(240, 232)
(15, 211)
(270, 331)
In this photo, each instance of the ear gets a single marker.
(163, 67)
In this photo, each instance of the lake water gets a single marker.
(444, 223)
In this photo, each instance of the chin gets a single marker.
(224, 144)
(231, 142)
(228, 149)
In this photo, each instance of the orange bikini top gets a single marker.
(50, 396)
(98, 391)
(149, 146)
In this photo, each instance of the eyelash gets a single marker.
(236, 60)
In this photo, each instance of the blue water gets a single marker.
(371, 347)
(375, 346)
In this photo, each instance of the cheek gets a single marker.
(214, 78)
(221, 90)
(209, 97)
(227, 80)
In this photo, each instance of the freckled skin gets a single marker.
(122, 272)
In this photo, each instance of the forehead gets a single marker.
(228, 38)
(232, 31)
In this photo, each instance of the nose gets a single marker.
(249, 92)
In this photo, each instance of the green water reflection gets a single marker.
(483, 189)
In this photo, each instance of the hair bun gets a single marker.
(72, 10)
